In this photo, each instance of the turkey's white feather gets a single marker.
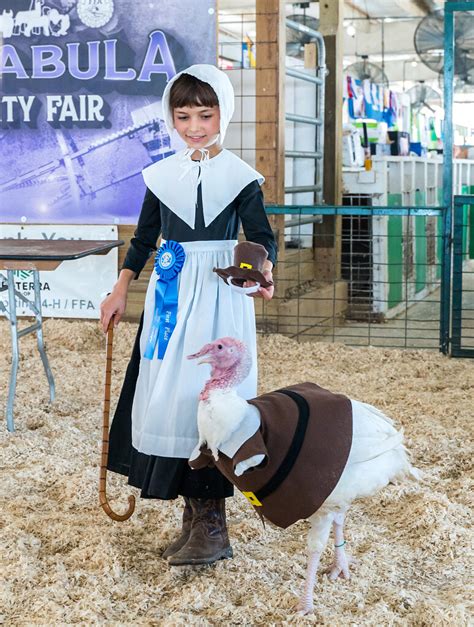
(219, 417)
(377, 457)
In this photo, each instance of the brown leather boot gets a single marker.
(208, 540)
(186, 528)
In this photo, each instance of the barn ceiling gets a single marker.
(372, 8)
(382, 29)
(391, 8)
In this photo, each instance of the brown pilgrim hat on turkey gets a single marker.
(249, 258)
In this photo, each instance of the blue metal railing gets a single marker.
(450, 10)
(460, 292)
(340, 210)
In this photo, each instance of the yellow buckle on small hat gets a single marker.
(248, 266)
(252, 499)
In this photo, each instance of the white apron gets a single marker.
(164, 412)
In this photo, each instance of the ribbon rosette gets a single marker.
(169, 261)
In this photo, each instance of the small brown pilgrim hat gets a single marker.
(248, 265)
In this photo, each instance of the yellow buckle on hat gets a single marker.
(248, 266)
(252, 499)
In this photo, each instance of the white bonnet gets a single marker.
(220, 83)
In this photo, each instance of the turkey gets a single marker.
(300, 452)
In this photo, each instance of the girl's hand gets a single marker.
(113, 305)
(264, 292)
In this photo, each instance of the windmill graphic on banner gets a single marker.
(67, 178)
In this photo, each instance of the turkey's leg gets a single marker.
(340, 565)
(317, 539)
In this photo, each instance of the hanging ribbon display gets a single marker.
(169, 261)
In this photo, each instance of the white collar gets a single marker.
(175, 180)
(248, 426)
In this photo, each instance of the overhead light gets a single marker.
(350, 30)
(414, 63)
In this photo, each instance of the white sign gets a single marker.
(75, 289)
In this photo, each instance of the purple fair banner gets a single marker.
(81, 83)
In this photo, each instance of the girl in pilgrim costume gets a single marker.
(196, 200)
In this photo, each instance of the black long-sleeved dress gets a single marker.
(159, 476)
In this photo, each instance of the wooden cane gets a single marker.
(105, 435)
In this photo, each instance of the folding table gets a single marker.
(36, 255)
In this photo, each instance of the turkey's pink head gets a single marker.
(230, 362)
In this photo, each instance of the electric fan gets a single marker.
(429, 41)
(422, 95)
(295, 39)
(363, 70)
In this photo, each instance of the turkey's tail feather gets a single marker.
(375, 435)
(378, 456)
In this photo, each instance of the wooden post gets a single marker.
(137, 290)
(331, 27)
(270, 105)
(328, 238)
(310, 56)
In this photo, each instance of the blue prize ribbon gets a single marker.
(169, 261)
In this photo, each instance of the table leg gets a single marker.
(14, 336)
(39, 336)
